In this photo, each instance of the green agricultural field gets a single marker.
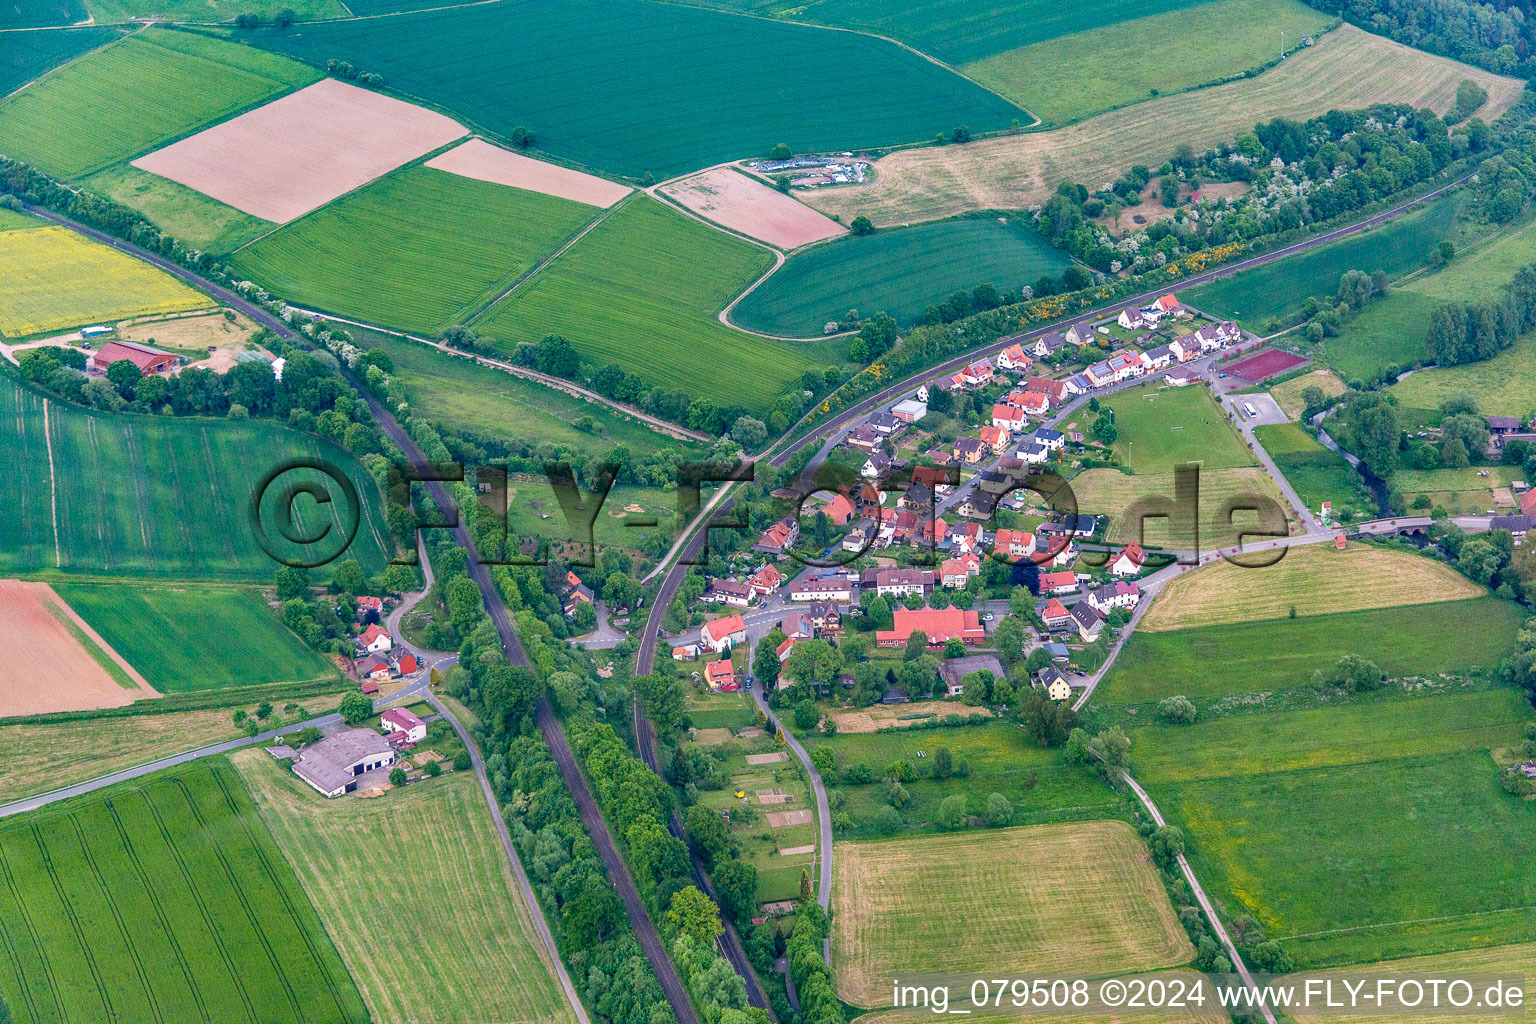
(31, 54)
(1318, 474)
(959, 31)
(1277, 654)
(419, 250)
(195, 219)
(1503, 386)
(899, 272)
(1392, 331)
(1275, 290)
(136, 94)
(436, 839)
(1077, 76)
(642, 289)
(10, 220)
(186, 637)
(38, 13)
(1355, 863)
(1037, 783)
(162, 899)
(1328, 736)
(634, 87)
(1161, 428)
(209, 11)
(481, 401)
(127, 495)
(1461, 492)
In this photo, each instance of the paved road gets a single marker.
(1205, 903)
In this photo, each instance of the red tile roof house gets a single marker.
(375, 668)
(778, 537)
(954, 573)
(1528, 502)
(1013, 358)
(402, 727)
(719, 675)
(1055, 390)
(1008, 417)
(148, 360)
(995, 438)
(1013, 544)
(839, 510)
(722, 633)
(1055, 615)
(765, 581)
(374, 639)
(940, 625)
(367, 604)
(1058, 582)
(408, 664)
(1130, 561)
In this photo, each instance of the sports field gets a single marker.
(1354, 863)
(1503, 386)
(162, 899)
(52, 279)
(641, 289)
(1326, 737)
(1271, 362)
(58, 662)
(419, 250)
(1113, 493)
(123, 495)
(1072, 77)
(187, 637)
(1392, 332)
(31, 54)
(432, 844)
(137, 93)
(1317, 474)
(482, 401)
(1162, 428)
(1347, 69)
(1076, 899)
(633, 87)
(1287, 394)
(1398, 247)
(1276, 654)
(1518, 959)
(898, 271)
(1315, 579)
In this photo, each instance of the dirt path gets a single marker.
(53, 488)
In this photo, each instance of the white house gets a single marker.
(833, 588)
(401, 727)
(720, 634)
(875, 465)
(1131, 319)
(374, 639)
(1054, 440)
(1130, 561)
(1009, 418)
(1119, 594)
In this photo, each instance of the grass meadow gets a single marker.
(482, 401)
(1318, 474)
(470, 934)
(1162, 428)
(196, 11)
(1069, 78)
(1078, 899)
(419, 250)
(52, 279)
(31, 54)
(1277, 654)
(185, 637)
(1459, 491)
(1353, 863)
(899, 272)
(137, 93)
(1503, 386)
(162, 899)
(641, 289)
(633, 87)
(195, 219)
(1287, 394)
(39, 13)
(1275, 290)
(1114, 493)
(1516, 959)
(143, 496)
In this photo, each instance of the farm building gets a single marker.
(334, 765)
(939, 624)
(910, 411)
(148, 360)
(402, 727)
(954, 670)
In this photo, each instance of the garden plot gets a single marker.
(482, 161)
(733, 200)
(57, 662)
(298, 153)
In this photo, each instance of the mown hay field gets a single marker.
(126, 495)
(162, 899)
(1312, 578)
(1362, 862)
(1071, 899)
(1317, 474)
(1347, 69)
(632, 87)
(1254, 297)
(419, 250)
(1287, 394)
(900, 272)
(31, 54)
(1073, 77)
(187, 637)
(471, 936)
(1113, 493)
(1323, 737)
(642, 289)
(52, 279)
(1503, 386)
(137, 93)
(1277, 654)
(1517, 959)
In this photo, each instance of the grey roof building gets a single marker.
(332, 766)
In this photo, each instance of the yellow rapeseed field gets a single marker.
(52, 279)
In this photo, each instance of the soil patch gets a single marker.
(772, 758)
(745, 204)
(52, 666)
(784, 819)
(482, 161)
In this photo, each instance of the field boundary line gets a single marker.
(53, 489)
(1416, 920)
(59, 67)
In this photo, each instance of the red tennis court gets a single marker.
(1265, 364)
